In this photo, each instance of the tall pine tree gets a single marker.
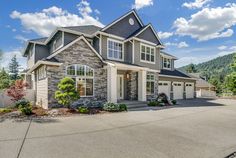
(14, 68)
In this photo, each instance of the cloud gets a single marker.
(222, 47)
(196, 4)
(209, 23)
(142, 3)
(165, 35)
(21, 38)
(7, 56)
(45, 21)
(179, 45)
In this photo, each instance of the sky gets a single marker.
(193, 30)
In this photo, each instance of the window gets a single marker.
(41, 73)
(58, 41)
(150, 84)
(147, 54)
(83, 76)
(115, 50)
(166, 63)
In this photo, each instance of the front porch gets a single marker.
(126, 82)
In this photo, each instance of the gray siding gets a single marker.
(149, 35)
(123, 28)
(30, 59)
(57, 35)
(68, 37)
(104, 47)
(41, 52)
(128, 52)
(137, 61)
(96, 44)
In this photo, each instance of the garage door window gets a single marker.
(150, 84)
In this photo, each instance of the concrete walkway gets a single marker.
(195, 129)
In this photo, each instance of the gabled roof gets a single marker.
(122, 17)
(39, 40)
(73, 42)
(86, 29)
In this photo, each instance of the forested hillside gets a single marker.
(214, 70)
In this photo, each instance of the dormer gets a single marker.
(167, 61)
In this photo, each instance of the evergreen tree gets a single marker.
(191, 68)
(230, 80)
(5, 80)
(14, 68)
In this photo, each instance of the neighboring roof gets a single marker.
(174, 73)
(200, 81)
(122, 17)
(86, 29)
(167, 54)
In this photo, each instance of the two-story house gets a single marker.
(122, 61)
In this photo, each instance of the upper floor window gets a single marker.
(58, 42)
(147, 54)
(83, 76)
(115, 49)
(166, 63)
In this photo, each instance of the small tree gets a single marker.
(67, 93)
(14, 68)
(230, 80)
(17, 90)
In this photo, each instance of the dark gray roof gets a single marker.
(42, 40)
(173, 73)
(87, 29)
(168, 54)
(136, 32)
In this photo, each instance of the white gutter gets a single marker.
(177, 77)
(40, 62)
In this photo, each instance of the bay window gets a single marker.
(147, 53)
(150, 84)
(115, 49)
(83, 77)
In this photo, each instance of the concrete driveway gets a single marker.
(198, 128)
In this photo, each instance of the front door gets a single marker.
(120, 87)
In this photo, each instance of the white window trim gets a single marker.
(117, 41)
(163, 63)
(151, 47)
(83, 77)
(62, 43)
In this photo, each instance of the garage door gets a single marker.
(178, 90)
(164, 87)
(189, 89)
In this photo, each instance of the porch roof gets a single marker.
(128, 66)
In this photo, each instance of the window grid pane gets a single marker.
(115, 50)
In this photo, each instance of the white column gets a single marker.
(142, 85)
(111, 83)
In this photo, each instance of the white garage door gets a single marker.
(178, 90)
(164, 87)
(189, 89)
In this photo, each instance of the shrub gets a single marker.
(83, 110)
(162, 97)
(23, 102)
(5, 110)
(174, 102)
(25, 109)
(153, 103)
(112, 107)
(17, 90)
(67, 93)
(123, 107)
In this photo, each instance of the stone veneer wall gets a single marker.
(132, 86)
(78, 53)
(150, 97)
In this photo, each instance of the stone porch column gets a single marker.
(142, 85)
(111, 83)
